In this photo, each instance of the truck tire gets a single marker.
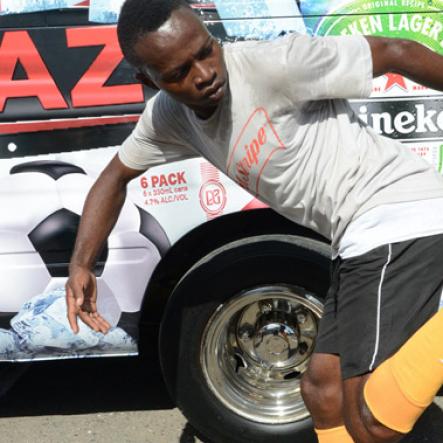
(237, 334)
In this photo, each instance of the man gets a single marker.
(377, 364)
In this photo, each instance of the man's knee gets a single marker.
(373, 434)
(377, 431)
(359, 420)
(321, 390)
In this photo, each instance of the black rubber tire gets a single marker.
(194, 300)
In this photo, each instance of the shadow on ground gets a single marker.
(86, 386)
(124, 384)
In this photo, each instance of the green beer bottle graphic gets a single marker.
(440, 159)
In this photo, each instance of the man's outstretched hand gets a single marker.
(81, 300)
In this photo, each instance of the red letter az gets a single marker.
(90, 90)
(17, 46)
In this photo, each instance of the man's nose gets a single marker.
(204, 75)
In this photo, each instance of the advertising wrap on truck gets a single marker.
(228, 292)
(260, 19)
(68, 100)
(22, 6)
(46, 105)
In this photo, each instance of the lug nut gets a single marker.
(265, 308)
(301, 318)
(245, 336)
(245, 332)
(302, 348)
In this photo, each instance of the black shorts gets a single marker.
(378, 300)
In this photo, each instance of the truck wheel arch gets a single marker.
(200, 242)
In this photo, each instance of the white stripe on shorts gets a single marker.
(377, 334)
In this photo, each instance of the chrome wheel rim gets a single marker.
(256, 347)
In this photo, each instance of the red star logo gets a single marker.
(395, 80)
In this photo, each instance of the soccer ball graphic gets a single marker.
(41, 204)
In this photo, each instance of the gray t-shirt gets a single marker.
(286, 133)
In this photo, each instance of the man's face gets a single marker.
(184, 60)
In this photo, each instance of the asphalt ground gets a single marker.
(115, 400)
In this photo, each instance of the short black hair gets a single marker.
(138, 17)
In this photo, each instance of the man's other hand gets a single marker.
(81, 300)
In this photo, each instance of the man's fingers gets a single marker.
(72, 310)
(84, 306)
(72, 318)
(89, 320)
(94, 321)
(78, 293)
(93, 305)
(104, 325)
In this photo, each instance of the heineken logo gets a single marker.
(403, 120)
(410, 19)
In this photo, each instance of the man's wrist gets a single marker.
(74, 264)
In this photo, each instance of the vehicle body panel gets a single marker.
(68, 100)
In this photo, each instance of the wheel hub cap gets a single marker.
(255, 349)
(276, 343)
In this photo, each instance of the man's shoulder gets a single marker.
(163, 117)
(162, 104)
(262, 62)
(161, 99)
(261, 54)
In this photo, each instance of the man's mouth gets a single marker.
(216, 92)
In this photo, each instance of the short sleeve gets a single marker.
(328, 67)
(156, 139)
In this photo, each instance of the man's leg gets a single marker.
(388, 296)
(411, 378)
(384, 405)
(321, 389)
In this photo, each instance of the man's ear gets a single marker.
(146, 80)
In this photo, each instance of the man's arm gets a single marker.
(408, 58)
(100, 213)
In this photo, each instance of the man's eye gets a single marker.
(206, 52)
(177, 75)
